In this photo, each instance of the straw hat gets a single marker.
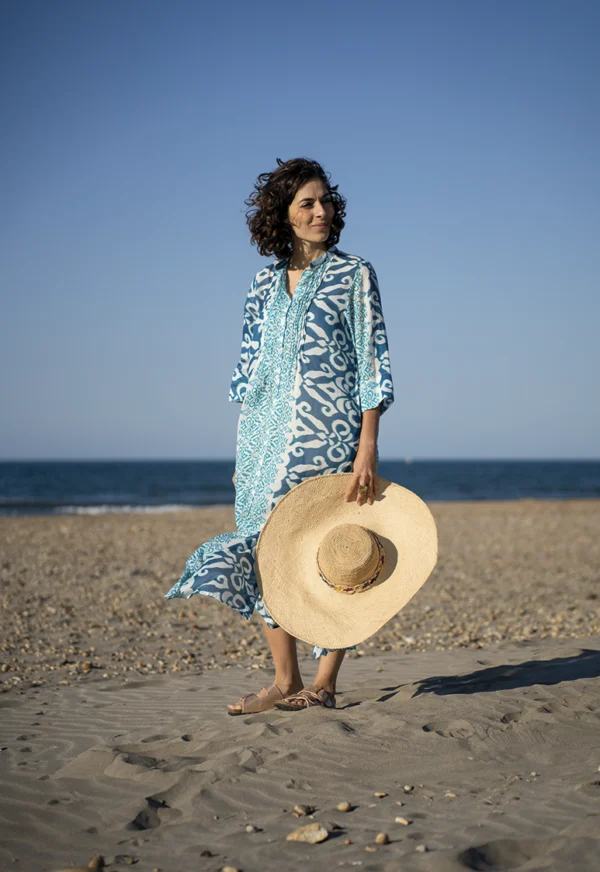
(332, 572)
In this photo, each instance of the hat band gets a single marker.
(359, 588)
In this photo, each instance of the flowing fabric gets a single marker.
(309, 366)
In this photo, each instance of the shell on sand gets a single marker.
(311, 833)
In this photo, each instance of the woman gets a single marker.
(313, 379)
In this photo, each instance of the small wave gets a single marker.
(107, 509)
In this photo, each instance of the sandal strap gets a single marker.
(306, 696)
(250, 696)
(262, 693)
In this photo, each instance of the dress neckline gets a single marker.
(314, 263)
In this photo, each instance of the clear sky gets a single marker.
(464, 134)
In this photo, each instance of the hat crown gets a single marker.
(348, 555)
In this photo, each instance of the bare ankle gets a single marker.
(328, 685)
(289, 683)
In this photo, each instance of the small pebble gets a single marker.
(534, 774)
(347, 841)
(399, 802)
(96, 862)
(382, 839)
(344, 806)
(450, 795)
(408, 788)
(404, 821)
(421, 849)
(251, 829)
(370, 848)
(303, 810)
(311, 833)
(229, 869)
(380, 794)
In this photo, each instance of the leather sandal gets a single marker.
(305, 698)
(252, 703)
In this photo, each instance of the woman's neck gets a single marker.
(303, 255)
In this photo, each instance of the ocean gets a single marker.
(98, 486)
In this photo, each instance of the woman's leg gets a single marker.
(327, 672)
(325, 679)
(285, 657)
(287, 671)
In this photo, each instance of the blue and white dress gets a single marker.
(310, 365)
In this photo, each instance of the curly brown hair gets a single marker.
(269, 202)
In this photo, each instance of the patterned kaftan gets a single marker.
(310, 364)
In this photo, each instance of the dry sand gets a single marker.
(115, 739)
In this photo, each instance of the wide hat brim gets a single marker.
(286, 559)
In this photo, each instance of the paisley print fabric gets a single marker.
(309, 366)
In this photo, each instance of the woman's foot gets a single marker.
(307, 697)
(264, 700)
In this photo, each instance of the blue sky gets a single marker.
(464, 134)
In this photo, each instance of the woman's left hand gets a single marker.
(364, 473)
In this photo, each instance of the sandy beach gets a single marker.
(474, 714)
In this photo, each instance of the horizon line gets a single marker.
(407, 459)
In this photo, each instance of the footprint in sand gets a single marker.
(550, 707)
(126, 764)
(249, 759)
(504, 855)
(149, 819)
(511, 717)
(591, 788)
(450, 729)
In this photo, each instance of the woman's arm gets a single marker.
(249, 346)
(374, 377)
(365, 462)
(369, 429)
(364, 315)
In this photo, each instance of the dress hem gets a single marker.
(174, 593)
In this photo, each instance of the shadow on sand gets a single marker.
(586, 664)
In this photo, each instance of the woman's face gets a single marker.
(311, 212)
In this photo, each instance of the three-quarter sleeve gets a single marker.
(369, 335)
(243, 370)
